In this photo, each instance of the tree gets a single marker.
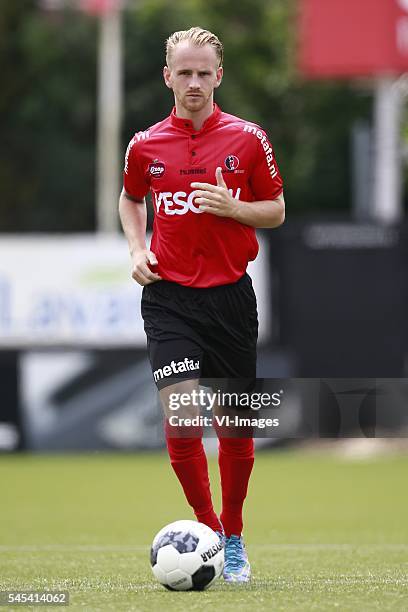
(47, 149)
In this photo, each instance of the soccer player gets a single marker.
(213, 179)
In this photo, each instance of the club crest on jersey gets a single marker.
(157, 168)
(231, 162)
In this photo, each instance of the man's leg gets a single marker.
(235, 459)
(231, 355)
(175, 350)
(187, 455)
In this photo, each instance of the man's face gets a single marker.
(192, 75)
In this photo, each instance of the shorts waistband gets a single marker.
(199, 290)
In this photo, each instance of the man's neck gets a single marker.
(198, 118)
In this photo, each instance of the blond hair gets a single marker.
(197, 36)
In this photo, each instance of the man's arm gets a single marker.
(133, 216)
(266, 213)
(217, 200)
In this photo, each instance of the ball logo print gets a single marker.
(187, 556)
(183, 541)
(157, 169)
(231, 162)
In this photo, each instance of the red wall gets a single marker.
(340, 38)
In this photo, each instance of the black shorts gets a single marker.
(200, 333)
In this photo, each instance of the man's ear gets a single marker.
(166, 76)
(220, 73)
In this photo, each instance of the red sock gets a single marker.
(236, 458)
(189, 462)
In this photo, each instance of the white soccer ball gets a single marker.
(187, 556)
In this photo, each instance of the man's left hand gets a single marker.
(216, 199)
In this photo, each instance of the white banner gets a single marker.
(77, 291)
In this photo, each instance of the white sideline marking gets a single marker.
(72, 548)
(139, 548)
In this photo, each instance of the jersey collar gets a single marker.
(187, 124)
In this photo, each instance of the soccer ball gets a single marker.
(187, 556)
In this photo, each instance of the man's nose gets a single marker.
(194, 82)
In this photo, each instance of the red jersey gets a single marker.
(196, 248)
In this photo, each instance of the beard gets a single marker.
(195, 103)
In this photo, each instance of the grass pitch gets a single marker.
(322, 533)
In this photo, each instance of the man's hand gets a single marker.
(216, 199)
(141, 271)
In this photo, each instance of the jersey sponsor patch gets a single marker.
(136, 138)
(176, 367)
(126, 168)
(180, 203)
(188, 171)
(141, 136)
(231, 162)
(266, 145)
(157, 169)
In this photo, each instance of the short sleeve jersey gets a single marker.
(196, 248)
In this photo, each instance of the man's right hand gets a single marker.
(140, 267)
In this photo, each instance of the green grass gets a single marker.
(322, 533)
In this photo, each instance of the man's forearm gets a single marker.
(268, 213)
(133, 216)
